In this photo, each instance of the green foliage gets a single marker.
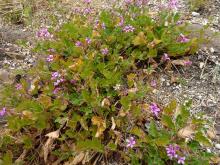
(101, 100)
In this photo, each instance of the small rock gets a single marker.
(195, 14)
(217, 146)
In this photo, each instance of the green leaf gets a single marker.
(162, 140)
(167, 121)
(94, 144)
(153, 129)
(138, 132)
(202, 139)
(170, 108)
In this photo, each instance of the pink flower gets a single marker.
(171, 151)
(181, 160)
(3, 112)
(183, 39)
(153, 83)
(130, 142)
(78, 43)
(44, 33)
(141, 2)
(103, 26)
(187, 63)
(165, 57)
(121, 23)
(88, 40)
(18, 86)
(105, 51)
(154, 109)
(56, 90)
(173, 4)
(128, 1)
(87, 11)
(55, 75)
(50, 58)
(87, 1)
(128, 28)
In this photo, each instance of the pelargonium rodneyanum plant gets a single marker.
(90, 97)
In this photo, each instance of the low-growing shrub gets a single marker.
(90, 100)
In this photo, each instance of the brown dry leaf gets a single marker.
(215, 160)
(77, 159)
(105, 102)
(178, 62)
(186, 132)
(47, 147)
(100, 123)
(211, 133)
(113, 123)
(174, 79)
(145, 107)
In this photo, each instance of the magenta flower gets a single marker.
(58, 81)
(87, 11)
(181, 160)
(88, 40)
(121, 23)
(130, 142)
(103, 26)
(3, 112)
(55, 75)
(18, 86)
(128, 28)
(56, 90)
(173, 4)
(128, 1)
(155, 109)
(44, 33)
(87, 1)
(171, 151)
(165, 57)
(105, 51)
(50, 58)
(183, 39)
(187, 63)
(140, 3)
(153, 83)
(78, 43)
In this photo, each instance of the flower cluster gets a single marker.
(18, 86)
(50, 58)
(172, 152)
(105, 51)
(128, 28)
(57, 78)
(44, 33)
(130, 142)
(183, 39)
(154, 109)
(173, 4)
(3, 112)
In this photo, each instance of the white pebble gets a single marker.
(195, 14)
(217, 146)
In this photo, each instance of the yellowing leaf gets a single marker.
(211, 133)
(140, 39)
(45, 101)
(77, 64)
(113, 123)
(186, 132)
(100, 123)
(105, 102)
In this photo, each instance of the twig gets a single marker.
(203, 69)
